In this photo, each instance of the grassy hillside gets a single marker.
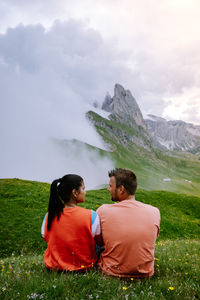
(23, 205)
(22, 272)
(151, 165)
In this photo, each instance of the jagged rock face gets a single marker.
(124, 105)
(126, 124)
(174, 135)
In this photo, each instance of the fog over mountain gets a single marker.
(44, 95)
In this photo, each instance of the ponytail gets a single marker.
(60, 194)
(56, 203)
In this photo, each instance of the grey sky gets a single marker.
(155, 45)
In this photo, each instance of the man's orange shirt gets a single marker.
(129, 230)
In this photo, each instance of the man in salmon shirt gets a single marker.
(129, 229)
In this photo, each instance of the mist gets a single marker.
(42, 100)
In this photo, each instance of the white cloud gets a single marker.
(183, 106)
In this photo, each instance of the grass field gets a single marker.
(22, 272)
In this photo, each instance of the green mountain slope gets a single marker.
(130, 148)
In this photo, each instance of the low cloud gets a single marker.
(49, 80)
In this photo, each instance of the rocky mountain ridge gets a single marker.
(124, 105)
(126, 123)
(147, 133)
(174, 135)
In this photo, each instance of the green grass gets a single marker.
(176, 266)
(22, 272)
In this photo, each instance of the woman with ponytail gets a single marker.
(69, 230)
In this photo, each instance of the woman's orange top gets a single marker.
(71, 245)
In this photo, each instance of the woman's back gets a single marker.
(70, 241)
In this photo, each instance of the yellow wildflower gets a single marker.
(171, 288)
(132, 278)
(4, 289)
(124, 288)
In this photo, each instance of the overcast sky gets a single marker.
(58, 56)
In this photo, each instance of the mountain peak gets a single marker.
(123, 105)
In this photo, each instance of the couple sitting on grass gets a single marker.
(126, 230)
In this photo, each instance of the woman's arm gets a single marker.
(96, 229)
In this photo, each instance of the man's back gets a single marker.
(129, 229)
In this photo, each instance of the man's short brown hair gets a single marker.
(126, 178)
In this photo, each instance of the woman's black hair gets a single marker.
(60, 192)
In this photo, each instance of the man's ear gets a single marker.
(121, 189)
